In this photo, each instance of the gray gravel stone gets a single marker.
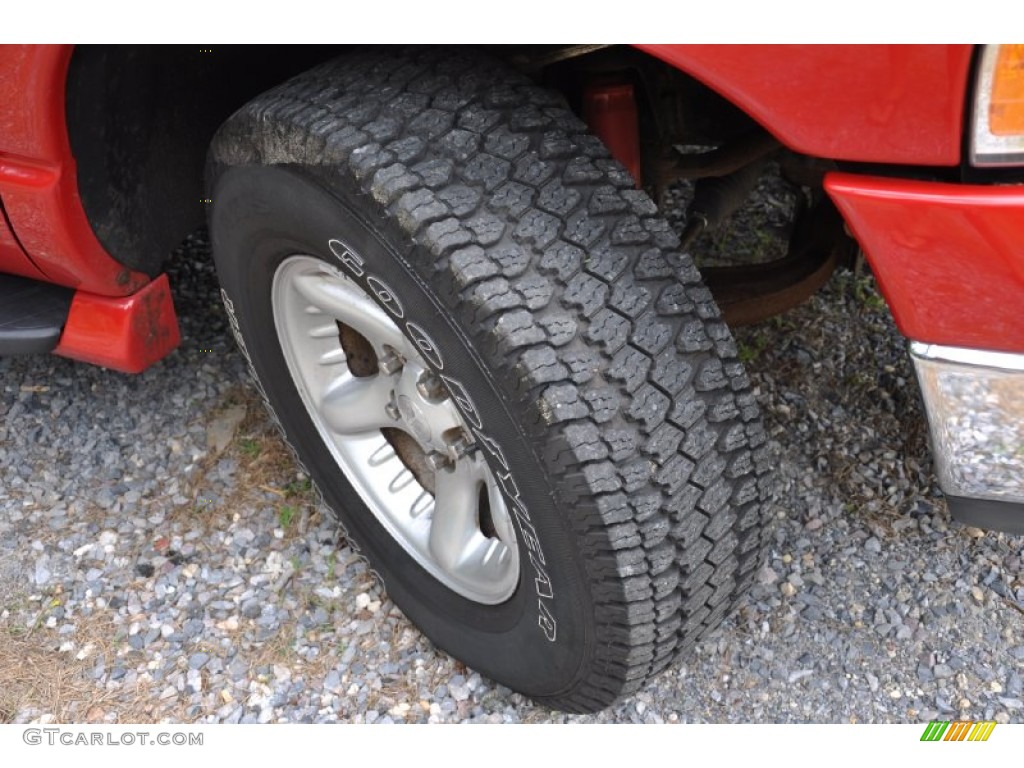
(942, 671)
(198, 660)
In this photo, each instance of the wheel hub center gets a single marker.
(414, 419)
(425, 413)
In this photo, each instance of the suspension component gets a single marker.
(609, 107)
(716, 198)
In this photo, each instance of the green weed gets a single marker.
(298, 488)
(250, 447)
(286, 515)
(750, 351)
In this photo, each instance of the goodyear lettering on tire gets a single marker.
(387, 297)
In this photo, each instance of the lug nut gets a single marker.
(437, 461)
(459, 447)
(430, 387)
(390, 364)
(391, 409)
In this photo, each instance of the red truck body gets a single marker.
(901, 104)
(45, 235)
(882, 104)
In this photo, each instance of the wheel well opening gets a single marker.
(139, 121)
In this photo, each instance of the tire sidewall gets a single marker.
(539, 640)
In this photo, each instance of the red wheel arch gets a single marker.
(900, 104)
(38, 184)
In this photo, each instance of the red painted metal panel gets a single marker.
(38, 182)
(12, 259)
(126, 333)
(949, 257)
(870, 103)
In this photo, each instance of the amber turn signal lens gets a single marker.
(997, 130)
(1006, 109)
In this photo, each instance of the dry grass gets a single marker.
(42, 678)
(257, 442)
(265, 465)
(38, 679)
(36, 676)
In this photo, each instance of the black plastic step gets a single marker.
(32, 314)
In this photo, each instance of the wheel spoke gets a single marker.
(353, 405)
(348, 304)
(332, 357)
(454, 526)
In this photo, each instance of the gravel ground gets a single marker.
(160, 559)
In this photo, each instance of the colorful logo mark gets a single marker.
(960, 730)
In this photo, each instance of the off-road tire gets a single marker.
(551, 286)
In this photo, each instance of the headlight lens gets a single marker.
(998, 136)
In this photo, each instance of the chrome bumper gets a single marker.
(975, 404)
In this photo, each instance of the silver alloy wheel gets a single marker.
(441, 527)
